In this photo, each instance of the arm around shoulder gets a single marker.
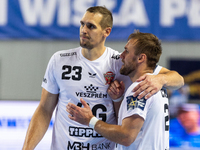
(171, 79)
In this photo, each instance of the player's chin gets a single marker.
(122, 67)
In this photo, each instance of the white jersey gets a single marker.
(72, 76)
(154, 134)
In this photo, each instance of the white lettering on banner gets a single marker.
(64, 12)
(70, 12)
(110, 4)
(173, 9)
(131, 11)
(194, 13)
(80, 7)
(3, 12)
(32, 11)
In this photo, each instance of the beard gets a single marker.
(128, 69)
(125, 70)
(86, 45)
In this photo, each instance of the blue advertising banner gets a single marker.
(60, 19)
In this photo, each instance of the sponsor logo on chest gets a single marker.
(109, 77)
(91, 91)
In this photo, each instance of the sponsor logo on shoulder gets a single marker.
(67, 54)
(44, 80)
(116, 56)
(133, 102)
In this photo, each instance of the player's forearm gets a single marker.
(37, 128)
(172, 80)
(114, 133)
(116, 108)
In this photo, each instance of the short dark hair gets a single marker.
(148, 44)
(107, 19)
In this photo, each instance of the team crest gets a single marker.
(109, 76)
(133, 102)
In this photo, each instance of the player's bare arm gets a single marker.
(124, 134)
(116, 91)
(151, 84)
(41, 119)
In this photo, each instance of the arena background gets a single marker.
(32, 30)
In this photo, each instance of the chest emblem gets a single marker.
(92, 75)
(109, 76)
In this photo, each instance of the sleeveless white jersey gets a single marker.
(154, 134)
(72, 76)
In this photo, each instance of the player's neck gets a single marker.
(93, 54)
(139, 72)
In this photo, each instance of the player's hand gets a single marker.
(116, 89)
(79, 114)
(150, 85)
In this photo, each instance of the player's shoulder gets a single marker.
(157, 69)
(112, 51)
(129, 91)
(68, 52)
(63, 54)
(113, 54)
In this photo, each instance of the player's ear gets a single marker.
(141, 58)
(107, 31)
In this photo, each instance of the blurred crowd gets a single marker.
(185, 120)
